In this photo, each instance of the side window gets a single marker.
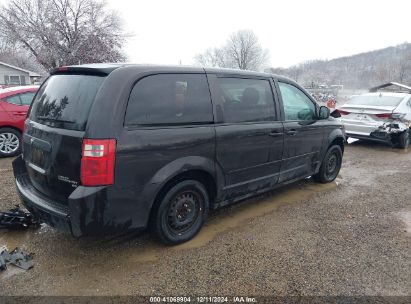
(27, 98)
(245, 100)
(14, 99)
(297, 106)
(14, 80)
(166, 99)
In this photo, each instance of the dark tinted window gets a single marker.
(64, 101)
(245, 100)
(297, 106)
(27, 98)
(170, 99)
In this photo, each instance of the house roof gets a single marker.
(31, 74)
(388, 84)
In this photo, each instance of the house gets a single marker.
(11, 75)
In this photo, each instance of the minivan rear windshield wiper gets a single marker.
(54, 119)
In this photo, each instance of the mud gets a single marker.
(350, 237)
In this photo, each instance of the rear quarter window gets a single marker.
(170, 99)
(64, 101)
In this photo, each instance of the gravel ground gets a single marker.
(351, 237)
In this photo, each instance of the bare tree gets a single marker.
(63, 32)
(245, 51)
(242, 51)
(215, 57)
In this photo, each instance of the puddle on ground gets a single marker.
(92, 259)
(254, 208)
(143, 250)
(218, 222)
(406, 218)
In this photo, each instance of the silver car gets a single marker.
(380, 116)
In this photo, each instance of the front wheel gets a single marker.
(10, 142)
(331, 165)
(181, 212)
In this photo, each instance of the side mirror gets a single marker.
(324, 112)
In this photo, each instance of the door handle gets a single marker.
(291, 132)
(275, 133)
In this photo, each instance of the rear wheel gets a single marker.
(404, 140)
(181, 212)
(10, 142)
(331, 165)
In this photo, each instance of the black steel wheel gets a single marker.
(181, 212)
(331, 165)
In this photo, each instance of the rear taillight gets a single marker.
(343, 112)
(98, 161)
(383, 115)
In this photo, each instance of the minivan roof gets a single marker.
(107, 68)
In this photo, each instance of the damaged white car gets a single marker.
(380, 116)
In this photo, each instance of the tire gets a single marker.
(180, 213)
(404, 140)
(10, 142)
(330, 166)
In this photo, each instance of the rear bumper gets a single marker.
(378, 131)
(88, 212)
(54, 214)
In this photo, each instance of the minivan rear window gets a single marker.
(64, 101)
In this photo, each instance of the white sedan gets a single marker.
(380, 116)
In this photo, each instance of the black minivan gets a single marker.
(109, 148)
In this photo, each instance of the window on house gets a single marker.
(22, 80)
(14, 79)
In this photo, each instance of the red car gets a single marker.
(14, 104)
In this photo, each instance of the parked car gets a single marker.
(111, 148)
(380, 116)
(14, 104)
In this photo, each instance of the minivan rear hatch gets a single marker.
(52, 141)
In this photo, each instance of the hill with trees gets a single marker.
(358, 71)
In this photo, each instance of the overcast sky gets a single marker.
(167, 31)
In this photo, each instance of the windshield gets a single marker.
(64, 101)
(374, 100)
